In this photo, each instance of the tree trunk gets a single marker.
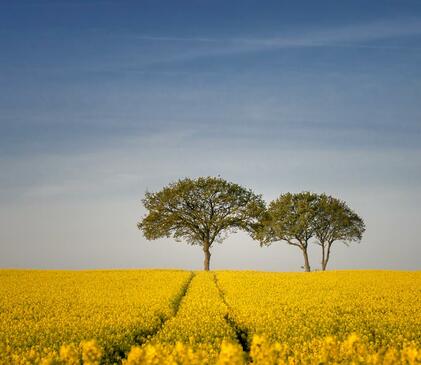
(207, 258)
(326, 259)
(306, 262)
(323, 257)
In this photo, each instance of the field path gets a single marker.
(241, 334)
(175, 305)
(180, 296)
(201, 319)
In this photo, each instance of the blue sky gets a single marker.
(101, 100)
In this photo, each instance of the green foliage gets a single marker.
(289, 218)
(298, 218)
(336, 221)
(204, 210)
(200, 211)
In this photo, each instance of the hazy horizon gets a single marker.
(103, 100)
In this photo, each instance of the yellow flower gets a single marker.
(69, 355)
(91, 353)
(230, 354)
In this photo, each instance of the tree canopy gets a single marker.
(335, 221)
(290, 218)
(200, 212)
(302, 218)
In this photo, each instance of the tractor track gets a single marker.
(175, 307)
(240, 333)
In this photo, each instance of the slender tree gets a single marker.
(335, 222)
(289, 218)
(200, 212)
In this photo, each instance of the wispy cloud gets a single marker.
(355, 36)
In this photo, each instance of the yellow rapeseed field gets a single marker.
(42, 310)
(145, 317)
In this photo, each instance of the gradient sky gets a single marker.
(101, 100)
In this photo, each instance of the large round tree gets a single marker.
(290, 218)
(200, 211)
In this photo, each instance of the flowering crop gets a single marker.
(151, 317)
(382, 307)
(41, 310)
